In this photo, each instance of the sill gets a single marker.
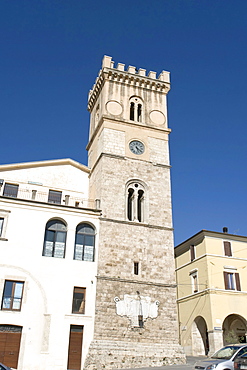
(3, 239)
(78, 313)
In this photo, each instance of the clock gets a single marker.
(137, 147)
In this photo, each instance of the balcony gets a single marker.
(73, 200)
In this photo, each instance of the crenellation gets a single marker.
(120, 66)
(132, 69)
(142, 72)
(152, 75)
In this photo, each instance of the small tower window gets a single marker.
(139, 112)
(136, 106)
(136, 268)
(135, 202)
(132, 111)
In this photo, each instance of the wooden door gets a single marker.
(75, 347)
(10, 339)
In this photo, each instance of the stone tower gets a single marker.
(136, 318)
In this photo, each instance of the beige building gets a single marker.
(211, 272)
(87, 276)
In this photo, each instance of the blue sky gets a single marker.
(51, 52)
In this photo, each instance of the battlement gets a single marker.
(130, 76)
(107, 62)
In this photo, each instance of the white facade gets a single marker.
(45, 312)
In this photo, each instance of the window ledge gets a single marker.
(3, 239)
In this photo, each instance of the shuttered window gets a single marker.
(192, 253)
(232, 281)
(228, 249)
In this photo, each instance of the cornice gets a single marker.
(54, 162)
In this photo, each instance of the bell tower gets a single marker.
(128, 154)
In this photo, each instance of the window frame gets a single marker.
(55, 231)
(227, 248)
(55, 196)
(192, 252)
(136, 113)
(7, 192)
(4, 214)
(136, 201)
(81, 310)
(13, 296)
(232, 280)
(1, 225)
(194, 281)
(85, 249)
(136, 268)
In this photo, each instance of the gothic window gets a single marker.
(135, 202)
(84, 243)
(136, 109)
(55, 239)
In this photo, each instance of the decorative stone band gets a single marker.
(137, 224)
(173, 285)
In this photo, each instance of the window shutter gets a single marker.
(226, 280)
(237, 279)
(228, 249)
(192, 252)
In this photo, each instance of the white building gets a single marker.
(47, 275)
(87, 267)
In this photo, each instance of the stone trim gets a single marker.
(135, 281)
(137, 224)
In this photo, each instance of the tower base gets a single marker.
(106, 355)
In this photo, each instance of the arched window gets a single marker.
(84, 243)
(55, 239)
(135, 202)
(136, 108)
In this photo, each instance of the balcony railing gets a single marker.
(67, 199)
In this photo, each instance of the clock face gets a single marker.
(136, 147)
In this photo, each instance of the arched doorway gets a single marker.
(234, 329)
(200, 345)
(10, 339)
